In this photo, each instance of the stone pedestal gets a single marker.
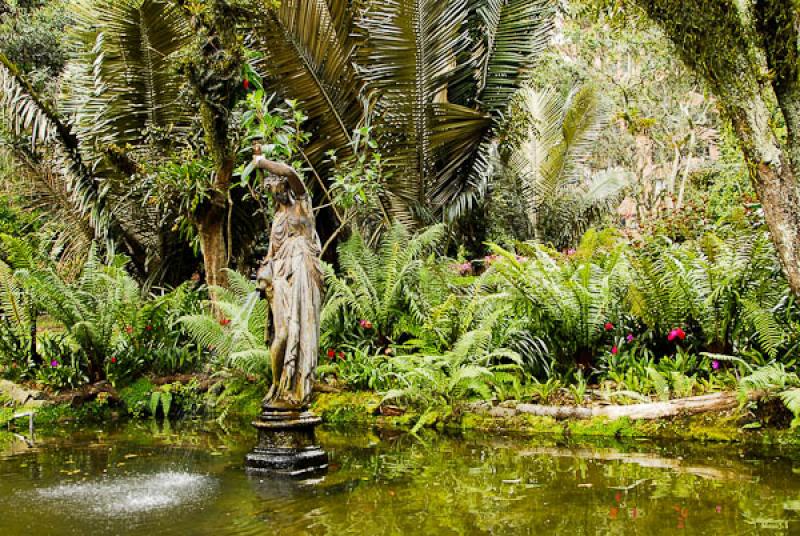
(286, 445)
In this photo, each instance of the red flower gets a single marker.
(246, 83)
(341, 355)
(128, 329)
(224, 321)
(676, 333)
(331, 353)
(113, 359)
(608, 326)
(148, 328)
(368, 324)
(614, 350)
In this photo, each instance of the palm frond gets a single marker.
(513, 35)
(27, 111)
(123, 78)
(309, 50)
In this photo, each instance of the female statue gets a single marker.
(291, 276)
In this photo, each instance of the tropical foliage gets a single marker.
(236, 333)
(436, 100)
(551, 163)
(379, 294)
(504, 212)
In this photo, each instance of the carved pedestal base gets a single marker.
(286, 445)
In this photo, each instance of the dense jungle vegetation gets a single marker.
(563, 201)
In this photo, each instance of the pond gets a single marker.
(188, 478)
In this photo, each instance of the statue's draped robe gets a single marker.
(297, 293)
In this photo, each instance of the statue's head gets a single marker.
(279, 188)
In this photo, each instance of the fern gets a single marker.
(385, 287)
(769, 378)
(93, 309)
(566, 305)
(239, 339)
(791, 399)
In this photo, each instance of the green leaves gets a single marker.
(432, 77)
(309, 51)
(238, 338)
(512, 35)
(562, 198)
(124, 80)
(379, 286)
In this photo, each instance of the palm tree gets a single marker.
(438, 76)
(563, 197)
(119, 91)
(435, 102)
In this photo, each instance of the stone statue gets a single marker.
(291, 277)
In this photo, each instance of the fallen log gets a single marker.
(644, 411)
(87, 393)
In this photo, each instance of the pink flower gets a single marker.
(676, 333)
(630, 337)
(491, 259)
(715, 364)
(464, 268)
(571, 251)
(614, 350)
(54, 363)
(608, 326)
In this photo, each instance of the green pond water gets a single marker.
(188, 478)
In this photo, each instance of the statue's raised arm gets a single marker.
(280, 169)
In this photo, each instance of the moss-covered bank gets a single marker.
(241, 400)
(734, 426)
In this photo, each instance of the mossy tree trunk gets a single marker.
(211, 231)
(215, 75)
(750, 61)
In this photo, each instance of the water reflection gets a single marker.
(145, 479)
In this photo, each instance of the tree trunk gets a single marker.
(772, 178)
(210, 220)
(211, 231)
(732, 50)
